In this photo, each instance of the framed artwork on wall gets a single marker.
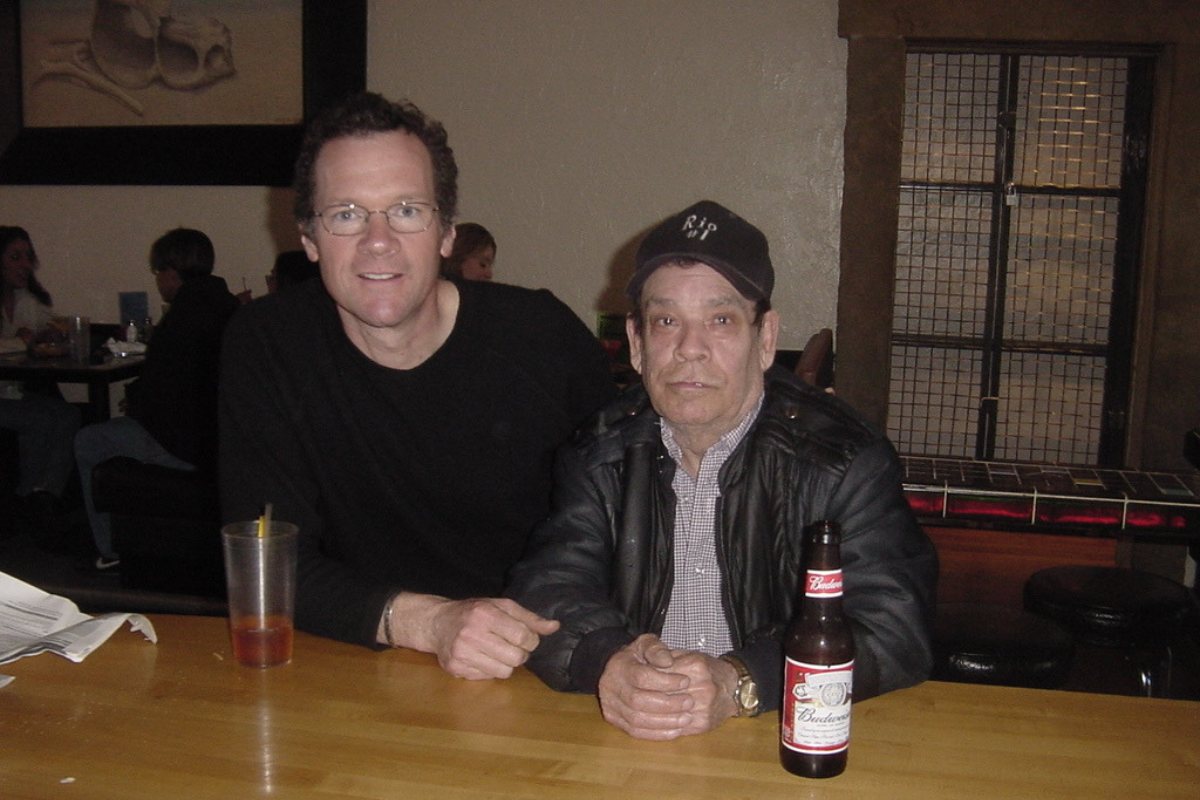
(169, 92)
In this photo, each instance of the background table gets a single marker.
(180, 720)
(97, 377)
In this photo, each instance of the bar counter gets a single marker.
(180, 720)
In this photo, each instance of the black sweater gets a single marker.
(175, 399)
(428, 479)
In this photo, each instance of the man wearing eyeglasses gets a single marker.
(405, 423)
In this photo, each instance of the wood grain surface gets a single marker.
(180, 720)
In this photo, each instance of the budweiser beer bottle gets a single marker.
(818, 651)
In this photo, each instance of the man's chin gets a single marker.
(684, 409)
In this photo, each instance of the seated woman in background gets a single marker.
(45, 424)
(473, 254)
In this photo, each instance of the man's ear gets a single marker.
(310, 247)
(635, 344)
(448, 241)
(768, 335)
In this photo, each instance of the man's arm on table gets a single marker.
(261, 459)
(476, 639)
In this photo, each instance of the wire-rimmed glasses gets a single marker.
(347, 219)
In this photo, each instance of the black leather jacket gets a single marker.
(602, 562)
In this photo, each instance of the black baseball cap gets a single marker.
(711, 234)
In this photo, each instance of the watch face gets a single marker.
(748, 695)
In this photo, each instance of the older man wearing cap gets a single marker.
(674, 553)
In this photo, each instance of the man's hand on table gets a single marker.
(650, 691)
(475, 639)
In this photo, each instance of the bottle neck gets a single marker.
(823, 574)
(824, 558)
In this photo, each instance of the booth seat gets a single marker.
(166, 526)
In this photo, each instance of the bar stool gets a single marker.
(1139, 612)
(1001, 646)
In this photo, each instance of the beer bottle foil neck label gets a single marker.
(823, 583)
(816, 707)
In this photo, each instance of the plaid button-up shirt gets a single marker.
(695, 617)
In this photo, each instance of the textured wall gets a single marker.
(578, 126)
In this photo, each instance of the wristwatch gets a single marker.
(745, 694)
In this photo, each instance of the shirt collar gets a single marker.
(723, 447)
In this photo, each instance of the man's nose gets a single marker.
(379, 236)
(693, 342)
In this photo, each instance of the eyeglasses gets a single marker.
(351, 220)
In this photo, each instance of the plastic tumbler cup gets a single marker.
(260, 571)
(79, 338)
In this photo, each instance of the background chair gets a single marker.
(166, 526)
(815, 365)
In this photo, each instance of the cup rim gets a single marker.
(279, 529)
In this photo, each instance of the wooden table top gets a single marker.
(181, 720)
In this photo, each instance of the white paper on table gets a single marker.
(33, 622)
(123, 349)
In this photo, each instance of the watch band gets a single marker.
(745, 693)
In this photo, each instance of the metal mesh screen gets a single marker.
(1050, 408)
(950, 117)
(937, 390)
(1061, 269)
(1053, 277)
(1071, 123)
(941, 289)
(941, 262)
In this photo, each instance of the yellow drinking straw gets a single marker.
(264, 522)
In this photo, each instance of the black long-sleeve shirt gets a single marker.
(428, 479)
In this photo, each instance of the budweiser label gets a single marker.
(816, 706)
(823, 583)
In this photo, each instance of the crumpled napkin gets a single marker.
(122, 349)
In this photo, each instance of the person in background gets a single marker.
(473, 255)
(405, 423)
(45, 424)
(292, 268)
(675, 551)
(171, 409)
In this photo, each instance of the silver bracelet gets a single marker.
(387, 620)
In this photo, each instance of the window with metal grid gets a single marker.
(1016, 253)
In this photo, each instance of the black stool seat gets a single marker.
(1139, 612)
(1111, 606)
(975, 643)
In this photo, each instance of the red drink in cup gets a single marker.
(265, 642)
(260, 572)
